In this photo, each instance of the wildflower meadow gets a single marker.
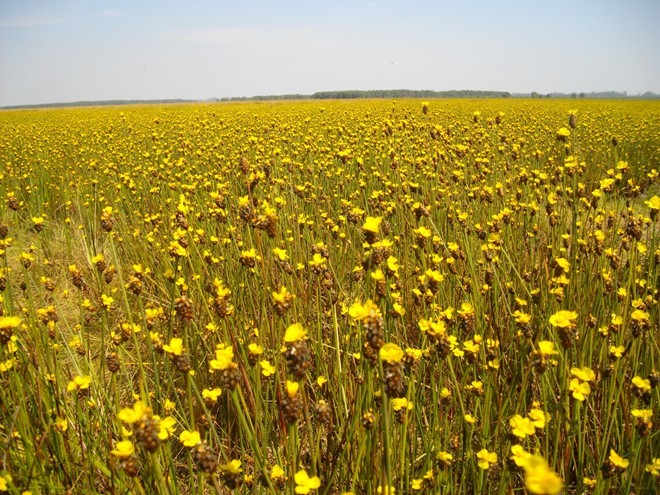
(337, 297)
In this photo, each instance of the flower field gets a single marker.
(358, 297)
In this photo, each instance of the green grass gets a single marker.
(175, 197)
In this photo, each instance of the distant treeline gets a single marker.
(409, 93)
(264, 98)
(377, 93)
(353, 94)
(594, 95)
(464, 93)
(96, 103)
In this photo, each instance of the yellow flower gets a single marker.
(546, 348)
(563, 319)
(292, 388)
(540, 479)
(372, 224)
(62, 424)
(435, 329)
(133, 414)
(393, 264)
(642, 384)
(280, 254)
(190, 438)
(643, 414)
(539, 418)
(5, 479)
(579, 389)
(434, 276)
(422, 232)
(654, 467)
(589, 482)
(361, 311)
(175, 347)
(617, 352)
(6, 365)
(470, 419)
(640, 316)
(295, 333)
(233, 467)
(211, 394)
(125, 448)
(276, 472)
(224, 357)
(653, 203)
(9, 322)
(250, 253)
(522, 317)
(317, 260)
(391, 353)
(166, 427)
(585, 374)
(521, 427)
(617, 461)
(305, 484)
(486, 458)
(169, 406)
(255, 349)
(466, 310)
(26, 259)
(519, 455)
(401, 404)
(79, 383)
(267, 369)
(564, 264)
(107, 301)
(281, 295)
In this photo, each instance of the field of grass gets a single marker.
(342, 297)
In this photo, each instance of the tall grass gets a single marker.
(493, 263)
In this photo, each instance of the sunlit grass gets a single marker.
(365, 297)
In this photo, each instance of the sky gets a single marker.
(74, 50)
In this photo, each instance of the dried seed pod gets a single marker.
(146, 434)
(134, 285)
(298, 358)
(113, 362)
(230, 377)
(13, 203)
(323, 412)
(182, 362)
(109, 274)
(205, 458)
(129, 465)
(184, 308)
(395, 385)
(373, 327)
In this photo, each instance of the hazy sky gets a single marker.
(68, 50)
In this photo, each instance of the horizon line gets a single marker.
(301, 96)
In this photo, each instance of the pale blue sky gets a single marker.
(68, 50)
